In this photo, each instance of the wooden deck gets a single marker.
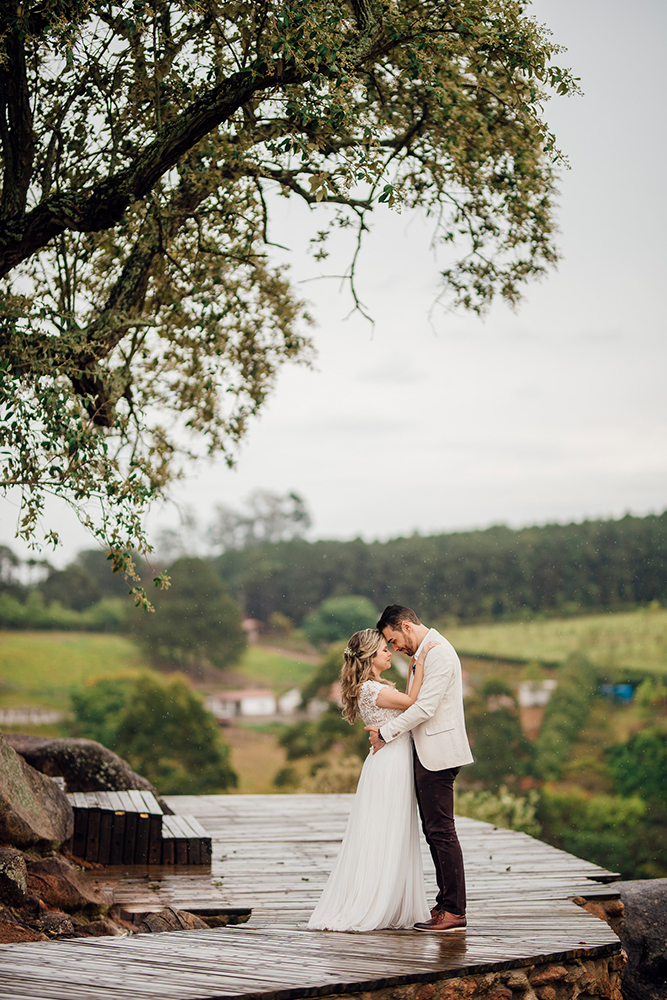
(273, 854)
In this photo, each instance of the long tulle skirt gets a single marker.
(377, 879)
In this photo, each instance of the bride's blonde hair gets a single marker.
(357, 668)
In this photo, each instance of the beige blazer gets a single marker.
(436, 718)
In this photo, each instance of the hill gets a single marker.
(41, 668)
(634, 641)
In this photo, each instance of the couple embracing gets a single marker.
(419, 744)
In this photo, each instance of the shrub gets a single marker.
(337, 778)
(640, 765)
(565, 716)
(339, 618)
(600, 828)
(502, 808)
(160, 726)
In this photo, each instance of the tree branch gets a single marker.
(16, 132)
(104, 204)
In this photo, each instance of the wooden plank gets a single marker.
(274, 854)
(141, 839)
(106, 824)
(80, 836)
(130, 839)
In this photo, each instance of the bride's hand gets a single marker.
(427, 649)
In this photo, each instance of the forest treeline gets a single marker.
(498, 572)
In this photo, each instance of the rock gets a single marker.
(13, 874)
(85, 765)
(34, 812)
(56, 924)
(643, 932)
(170, 920)
(99, 928)
(59, 884)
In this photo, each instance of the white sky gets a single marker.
(556, 412)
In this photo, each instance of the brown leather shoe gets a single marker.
(442, 922)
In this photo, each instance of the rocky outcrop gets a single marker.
(170, 919)
(643, 932)
(639, 918)
(85, 765)
(60, 884)
(13, 877)
(573, 979)
(34, 812)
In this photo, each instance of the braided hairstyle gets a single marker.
(357, 668)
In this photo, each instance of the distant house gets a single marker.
(289, 702)
(241, 704)
(533, 699)
(252, 627)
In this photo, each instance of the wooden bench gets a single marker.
(126, 828)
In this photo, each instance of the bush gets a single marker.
(313, 738)
(339, 618)
(502, 808)
(108, 615)
(603, 829)
(161, 728)
(501, 749)
(565, 716)
(337, 778)
(640, 765)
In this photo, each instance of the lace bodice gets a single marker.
(368, 709)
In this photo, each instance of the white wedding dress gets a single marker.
(377, 879)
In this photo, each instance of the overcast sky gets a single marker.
(555, 412)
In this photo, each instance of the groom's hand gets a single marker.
(373, 737)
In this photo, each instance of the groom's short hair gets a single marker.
(394, 615)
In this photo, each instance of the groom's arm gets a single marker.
(439, 666)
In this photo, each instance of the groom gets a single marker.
(440, 749)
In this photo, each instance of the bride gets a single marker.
(377, 879)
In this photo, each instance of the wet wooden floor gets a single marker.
(273, 854)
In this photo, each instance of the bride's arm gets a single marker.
(391, 698)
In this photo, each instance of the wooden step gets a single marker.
(126, 828)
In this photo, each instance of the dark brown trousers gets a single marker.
(435, 795)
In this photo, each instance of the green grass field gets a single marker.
(42, 667)
(627, 639)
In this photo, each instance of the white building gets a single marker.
(535, 693)
(237, 704)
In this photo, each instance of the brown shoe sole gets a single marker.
(441, 930)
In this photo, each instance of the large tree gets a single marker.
(142, 147)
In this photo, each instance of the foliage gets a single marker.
(502, 752)
(315, 737)
(72, 587)
(327, 673)
(338, 777)
(502, 808)
(147, 143)
(339, 618)
(651, 694)
(565, 716)
(107, 615)
(484, 576)
(605, 829)
(161, 728)
(640, 765)
(268, 517)
(96, 563)
(195, 622)
(97, 707)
